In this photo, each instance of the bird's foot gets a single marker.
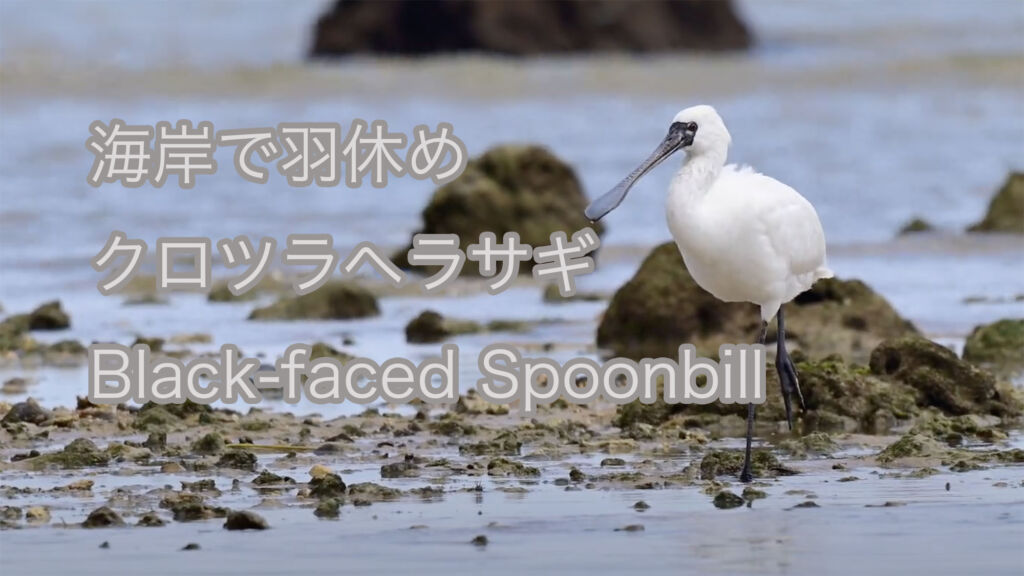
(745, 476)
(790, 382)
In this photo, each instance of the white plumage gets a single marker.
(745, 237)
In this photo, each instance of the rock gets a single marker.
(103, 517)
(319, 471)
(268, 478)
(329, 485)
(941, 379)
(79, 453)
(523, 189)
(14, 386)
(172, 468)
(405, 469)
(662, 307)
(329, 508)
(631, 528)
(730, 462)
(506, 467)
(916, 225)
(1000, 345)
(913, 445)
(430, 326)
(238, 459)
(322, 350)
(750, 494)
(150, 520)
(37, 515)
(725, 500)
(528, 27)
(370, 492)
(612, 462)
(49, 316)
(332, 301)
(245, 520)
(641, 506)
(28, 411)
(211, 443)
(1006, 211)
(190, 546)
(479, 540)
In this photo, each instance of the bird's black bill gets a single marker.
(676, 139)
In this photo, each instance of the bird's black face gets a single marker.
(680, 135)
(684, 131)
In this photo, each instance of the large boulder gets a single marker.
(1006, 210)
(999, 345)
(909, 379)
(941, 379)
(528, 27)
(662, 307)
(523, 189)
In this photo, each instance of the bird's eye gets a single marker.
(692, 126)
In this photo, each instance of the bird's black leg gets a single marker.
(745, 475)
(787, 373)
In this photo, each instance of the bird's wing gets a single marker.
(787, 219)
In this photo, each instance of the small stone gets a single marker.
(172, 468)
(641, 506)
(190, 546)
(576, 475)
(612, 462)
(238, 459)
(80, 486)
(479, 540)
(245, 520)
(28, 411)
(105, 545)
(750, 494)
(807, 504)
(631, 528)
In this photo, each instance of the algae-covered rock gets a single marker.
(913, 445)
(662, 307)
(725, 500)
(730, 463)
(28, 411)
(506, 467)
(79, 453)
(211, 443)
(239, 460)
(941, 379)
(512, 188)
(326, 485)
(1000, 344)
(332, 301)
(370, 492)
(49, 316)
(1006, 210)
(430, 326)
(103, 517)
(916, 225)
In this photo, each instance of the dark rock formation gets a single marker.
(528, 27)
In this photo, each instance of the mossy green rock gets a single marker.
(1000, 344)
(430, 327)
(730, 462)
(332, 301)
(941, 379)
(662, 307)
(511, 188)
(1006, 210)
(79, 453)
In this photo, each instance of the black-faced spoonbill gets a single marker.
(744, 237)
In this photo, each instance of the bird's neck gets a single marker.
(697, 175)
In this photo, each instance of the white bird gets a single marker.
(745, 237)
